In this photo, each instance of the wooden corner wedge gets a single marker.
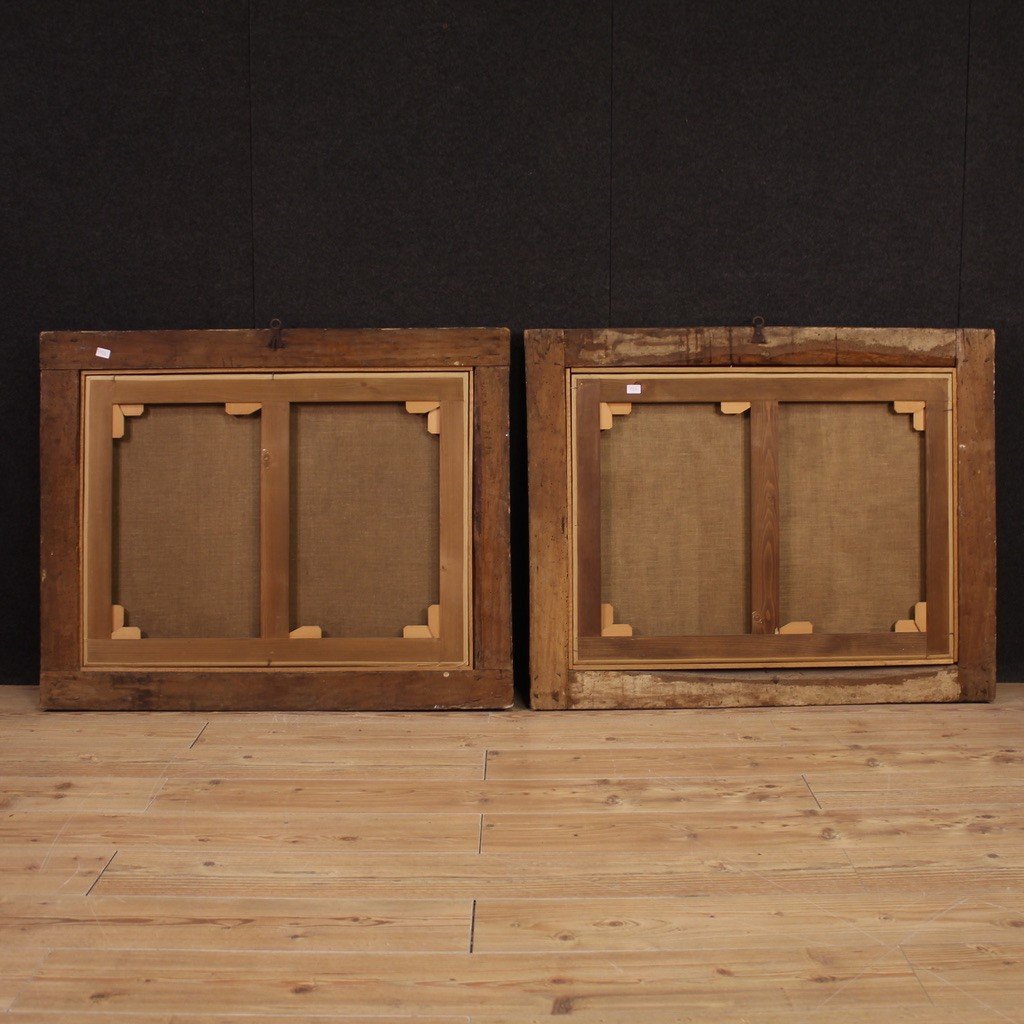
(119, 631)
(918, 624)
(431, 631)
(118, 413)
(914, 409)
(242, 408)
(432, 410)
(734, 408)
(791, 628)
(306, 633)
(609, 627)
(609, 410)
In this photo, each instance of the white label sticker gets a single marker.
(103, 353)
(634, 389)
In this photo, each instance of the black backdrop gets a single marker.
(217, 163)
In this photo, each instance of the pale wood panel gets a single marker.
(1002, 850)
(731, 762)
(848, 793)
(494, 795)
(99, 734)
(523, 729)
(45, 869)
(190, 923)
(17, 967)
(724, 922)
(247, 762)
(52, 792)
(841, 1008)
(273, 829)
(972, 979)
(19, 700)
(185, 1017)
(479, 984)
(687, 869)
(748, 830)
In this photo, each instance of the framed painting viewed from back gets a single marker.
(263, 519)
(761, 516)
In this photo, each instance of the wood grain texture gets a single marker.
(764, 517)
(116, 923)
(697, 346)
(587, 488)
(550, 599)
(482, 984)
(302, 347)
(779, 865)
(59, 542)
(755, 687)
(792, 386)
(896, 346)
(97, 512)
(454, 542)
(939, 550)
(492, 585)
(783, 346)
(976, 511)
(722, 346)
(319, 689)
(755, 648)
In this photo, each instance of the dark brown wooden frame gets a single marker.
(67, 682)
(560, 682)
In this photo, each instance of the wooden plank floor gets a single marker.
(777, 865)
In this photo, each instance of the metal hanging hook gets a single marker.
(275, 334)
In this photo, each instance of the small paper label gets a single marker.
(103, 353)
(634, 389)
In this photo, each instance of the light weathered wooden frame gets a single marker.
(608, 672)
(466, 372)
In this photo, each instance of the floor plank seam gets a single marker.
(199, 735)
(973, 998)
(157, 789)
(480, 838)
(931, 920)
(886, 952)
(814, 796)
(472, 927)
(928, 995)
(103, 871)
(34, 976)
(56, 839)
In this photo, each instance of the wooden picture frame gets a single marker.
(583, 385)
(447, 390)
